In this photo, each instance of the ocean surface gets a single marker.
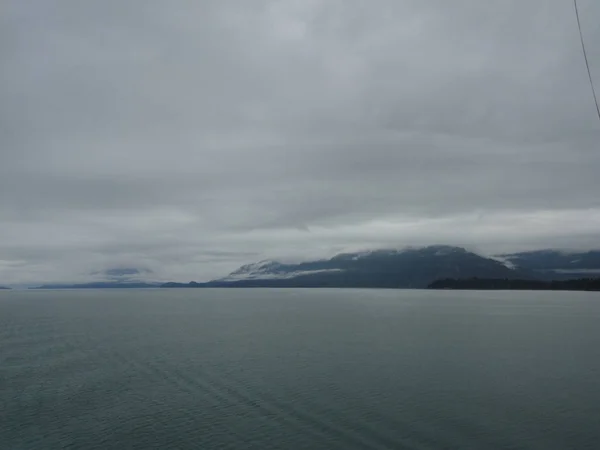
(299, 369)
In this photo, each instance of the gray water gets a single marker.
(299, 369)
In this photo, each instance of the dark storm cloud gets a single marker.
(189, 137)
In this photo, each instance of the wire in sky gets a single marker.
(587, 64)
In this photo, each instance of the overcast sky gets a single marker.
(189, 137)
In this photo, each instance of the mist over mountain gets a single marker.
(112, 278)
(555, 264)
(99, 285)
(122, 273)
(406, 268)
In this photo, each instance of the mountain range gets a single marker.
(407, 268)
(385, 268)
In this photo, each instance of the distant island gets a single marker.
(98, 285)
(191, 284)
(3, 288)
(580, 284)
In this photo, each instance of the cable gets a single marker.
(587, 64)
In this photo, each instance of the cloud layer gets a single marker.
(186, 138)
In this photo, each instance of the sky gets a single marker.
(186, 138)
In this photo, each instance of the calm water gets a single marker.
(299, 369)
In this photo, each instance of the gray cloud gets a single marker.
(187, 138)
